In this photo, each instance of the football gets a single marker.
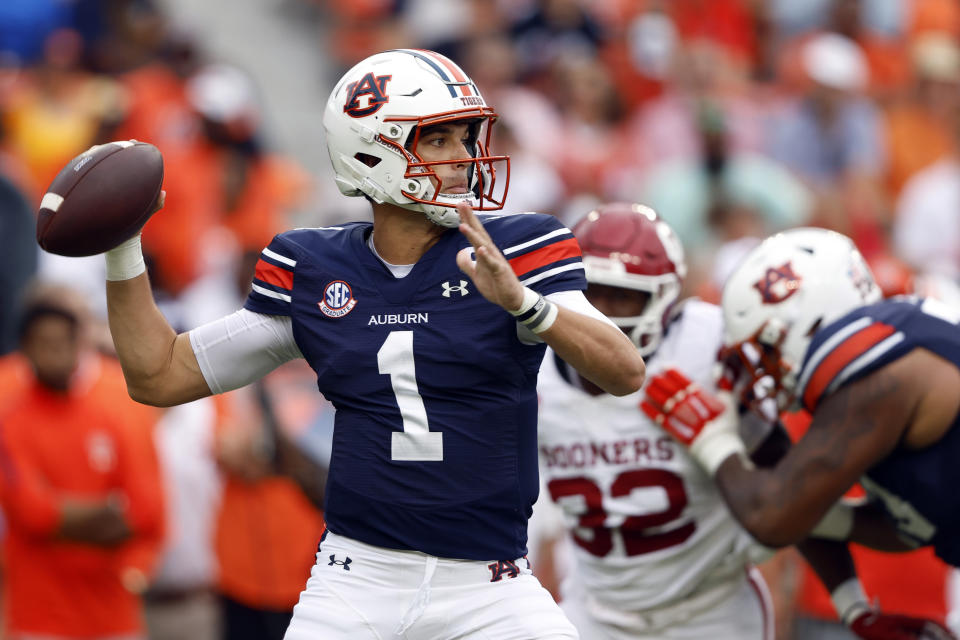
(100, 199)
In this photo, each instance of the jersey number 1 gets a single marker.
(416, 442)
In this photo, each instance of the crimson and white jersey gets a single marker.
(649, 526)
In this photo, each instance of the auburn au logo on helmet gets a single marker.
(778, 284)
(369, 85)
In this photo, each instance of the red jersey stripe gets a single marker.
(543, 256)
(453, 69)
(272, 274)
(845, 353)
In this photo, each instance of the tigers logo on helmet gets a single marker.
(778, 284)
(369, 85)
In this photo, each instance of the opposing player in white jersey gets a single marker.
(657, 554)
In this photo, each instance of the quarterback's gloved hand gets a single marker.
(705, 423)
(875, 625)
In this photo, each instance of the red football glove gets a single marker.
(705, 423)
(874, 625)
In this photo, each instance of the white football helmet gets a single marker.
(629, 246)
(785, 289)
(373, 121)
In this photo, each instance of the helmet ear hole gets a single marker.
(367, 159)
(813, 328)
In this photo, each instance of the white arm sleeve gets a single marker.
(242, 347)
(574, 300)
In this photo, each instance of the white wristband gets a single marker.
(125, 261)
(536, 312)
(849, 600)
(720, 438)
(836, 524)
(712, 447)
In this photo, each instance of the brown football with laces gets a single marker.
(100, 198)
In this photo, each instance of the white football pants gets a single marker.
(360, 592)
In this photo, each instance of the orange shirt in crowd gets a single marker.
(267, 531)
(72, 445)
(915, 140)
(266, 542)
(909, 583)
(180, 236)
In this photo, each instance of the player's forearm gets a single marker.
(598, 351)
(143, 338)
(764, 504)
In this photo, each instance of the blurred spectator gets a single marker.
(534, 184)
(271, 443)
(880, 16)
(926, 231)
(723, 195)
(886, 56)
(180, 601)
(553, 29)
(18, 258)
(221, 179)
(363, 27)
(831, 136)
(918, 128)
(935, 15)
(592, 124)
(25, 24)
(80, 492)
(55, 110)
(269, 524)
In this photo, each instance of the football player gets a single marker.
(804, 326)
(656, 554)
(426, 329)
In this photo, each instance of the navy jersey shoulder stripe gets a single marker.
(846, 350)
(270, 291)
(540, 250)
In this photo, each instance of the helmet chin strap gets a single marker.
(445, 216)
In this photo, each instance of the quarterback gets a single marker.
(425, 329)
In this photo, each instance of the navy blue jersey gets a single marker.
(918, 487)
(434, 445)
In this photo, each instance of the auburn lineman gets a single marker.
(804, 325)
(426, 331)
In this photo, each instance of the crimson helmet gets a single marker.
(628, 246)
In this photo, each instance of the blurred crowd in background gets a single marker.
(732, 118)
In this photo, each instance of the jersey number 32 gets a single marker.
(596, 536)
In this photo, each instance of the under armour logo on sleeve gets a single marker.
(343, 563)
(461, 289)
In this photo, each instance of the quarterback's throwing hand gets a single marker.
(874, 625)
(705, 423)
(491, 273)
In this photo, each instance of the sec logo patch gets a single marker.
(338, 300)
